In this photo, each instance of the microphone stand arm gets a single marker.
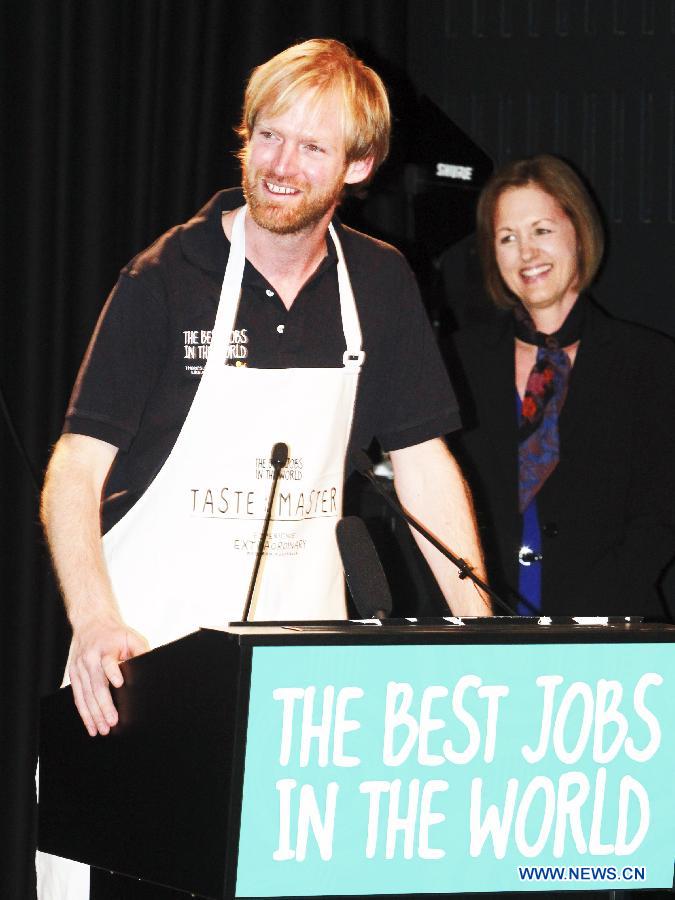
(279, 460)
(465, 570)
(258, 556)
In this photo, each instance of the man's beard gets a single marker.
(282, 218)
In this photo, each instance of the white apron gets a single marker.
(182, 557)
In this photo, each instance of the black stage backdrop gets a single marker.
(117, 123)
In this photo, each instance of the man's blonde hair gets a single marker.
(325, 68)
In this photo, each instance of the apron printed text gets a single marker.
(289, 505)
(292, 471)
(277, 543)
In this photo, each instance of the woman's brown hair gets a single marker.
(559, 181)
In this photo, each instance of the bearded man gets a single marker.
(262, 319)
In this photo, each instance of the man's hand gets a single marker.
(97, 649)
(71, 514)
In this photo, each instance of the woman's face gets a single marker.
(536, 249)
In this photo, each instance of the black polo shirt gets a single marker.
(145, 359)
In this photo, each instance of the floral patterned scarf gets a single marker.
(545, 392)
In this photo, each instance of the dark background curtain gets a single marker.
(117, 120)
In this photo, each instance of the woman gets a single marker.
(570, 437)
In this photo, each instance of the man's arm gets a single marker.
(71, 516)
(432, 490)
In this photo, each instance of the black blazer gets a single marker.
(608, 510)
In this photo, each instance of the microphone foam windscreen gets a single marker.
(279, 456)
(363, 570)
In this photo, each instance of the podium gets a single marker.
(342, 759)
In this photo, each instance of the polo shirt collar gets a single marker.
(202, 239)
(204, 244)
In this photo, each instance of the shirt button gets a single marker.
(269, 292)
(280, 329)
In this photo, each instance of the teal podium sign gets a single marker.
(443, 768)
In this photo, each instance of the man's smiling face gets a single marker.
(295, 168)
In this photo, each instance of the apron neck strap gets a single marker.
(354, 355)
(230, 291)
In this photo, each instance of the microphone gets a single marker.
(364, 467)
(278, 458)
(363, 570)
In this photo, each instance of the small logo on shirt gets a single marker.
(197, 343)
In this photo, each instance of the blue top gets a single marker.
(529, 576)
